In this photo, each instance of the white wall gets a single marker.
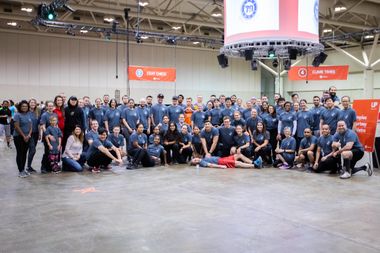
(353, 87)
(42, 66)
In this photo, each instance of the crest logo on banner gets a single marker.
(139, 73)
(316, 10)
(249, 9)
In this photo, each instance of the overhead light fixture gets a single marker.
(176, 27)
(83, 31)
(144, 37)
(47, 12)
(28, 9)
(223, 61)
(196, 42)
(108, 19)
(369, 37)
(287, 64)
(12, 23)
(327, 30)
(143, 3)
(216, 12)
(254, 64)
(171, 41)
(271, 53)
(319, 59)
(275, 63)
(339, 7)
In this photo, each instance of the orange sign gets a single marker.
(140, 73)
(298, 73)
(367, 111)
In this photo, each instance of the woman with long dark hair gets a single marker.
(73, 117)
(22, 136)
(137, 148)
(261, 147)
(271, 123)
(72, 157)
(35, 114)
(59, 110)
(112, 116)
(171, 143)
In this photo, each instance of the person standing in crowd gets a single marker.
(215, 114)
(180, 101)
(44, 124)
(286, 152)
(304, 120)
(334, 97)
(22, 136)
(5, 120)
(124, 103)
(242, 143)
(73, 116)
(295, 108)
(238, 120)
(330, 116)
(137, 148)
(149, 103)
(185, 150)
(347, 114)
(171, 143)
(295, 98)
(239, 106)
(157, 152)
(271, 123)
(198, 118)
(232, 161)
(72, 158)
(181, 123)
(264, 109)
(196, 142)
(254, 104)
(86, 111)
(209, 139)
(53, 138)
(276, 96)
(106, 102)
(63, 96)
(247, 111)
(130, 119)
(280, 106)
(324, 160)
(260, 145)
(199, 102)
(97, 113)
(59, 110)
(35, 114)
(316, 112)
(92, 135)
(346, 144)
(252, 122)
(209, 107)
(174, 110)
(188, 111)
(144, 115)
(101, 153)
(306, 152)
(117, 140)
(226, 137)
(228, 110)
(158, 110)
(112, 116)
(222, 100)
(286, 119)
(164, 126)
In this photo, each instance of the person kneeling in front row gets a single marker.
(231, 161)
(137, 148)
(324, 160)
(346, 144)
(286, 153)
(157, 152)
(102, 152)
(306, 152)
(72, 158)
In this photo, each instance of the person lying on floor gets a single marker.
(232, 161)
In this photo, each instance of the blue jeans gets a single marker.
(72, 165)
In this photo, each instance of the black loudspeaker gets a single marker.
(319, 59)
(248, 54)
(222, 60)
(293, 53)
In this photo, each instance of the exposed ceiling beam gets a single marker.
(345, 24)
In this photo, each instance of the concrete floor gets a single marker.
(177, 210)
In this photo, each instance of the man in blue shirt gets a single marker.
(228, 111)
(232, 161)
(347, 114)
(306, 152)
(215, 114)
(226, 137)
(174, 110)
(209, 139)
(330, 116)
(316, 112)
(117, 140)
(251, 122)
(198, 118)
(347, 145)
(323, 159)
(144, 115)
(97, 113)
(157, 151)
(158, 111)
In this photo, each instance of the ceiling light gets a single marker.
(83, 31)
(143, 3)
(176, 27)
(196, 42)
(216, 12)
(144, 37)
(28, 9)
(108, 19)
(327, 30)
(369, 37)
(12, 23)
(339, 7)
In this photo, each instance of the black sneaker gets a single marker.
(31, 170)
(368, 169)
(132, 167)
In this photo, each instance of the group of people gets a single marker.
(224, 132)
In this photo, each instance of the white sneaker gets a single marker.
(368, 169)
(345, 175)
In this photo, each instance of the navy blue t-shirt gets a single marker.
(198, 118)
(304, 120)
(131, 116)
(215, 115)
(349, 116)
(348, 136)
(158, 111)
(56, 133)
(287, 119)
(95, 145)
(208, 136)
(113, 117)
(25, 122)
(196, 139)
(227, 112)
(140, 138)
(270, 122)
(325, 143)
(143, 114)
(91, 136)
(117, 141)
(155, 150)
(185, 138)
(252, 123)
(316, 113)
(174, 112)
(226, 136)
(98, 115)
(241, 140)
(260, 137)
(307, 142)
(331, 118)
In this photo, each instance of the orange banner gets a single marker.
(367, 111)
(140, 73)
(321, 73)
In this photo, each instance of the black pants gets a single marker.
(273, 142)
(330, 164)
(172, 152)
(22, 148)
(264, 152)
(198, 148)
(32, 148)
(224, 150)
(45, 165)
(357, 154)
(141, 155)
(98, 159)
(185, 155)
